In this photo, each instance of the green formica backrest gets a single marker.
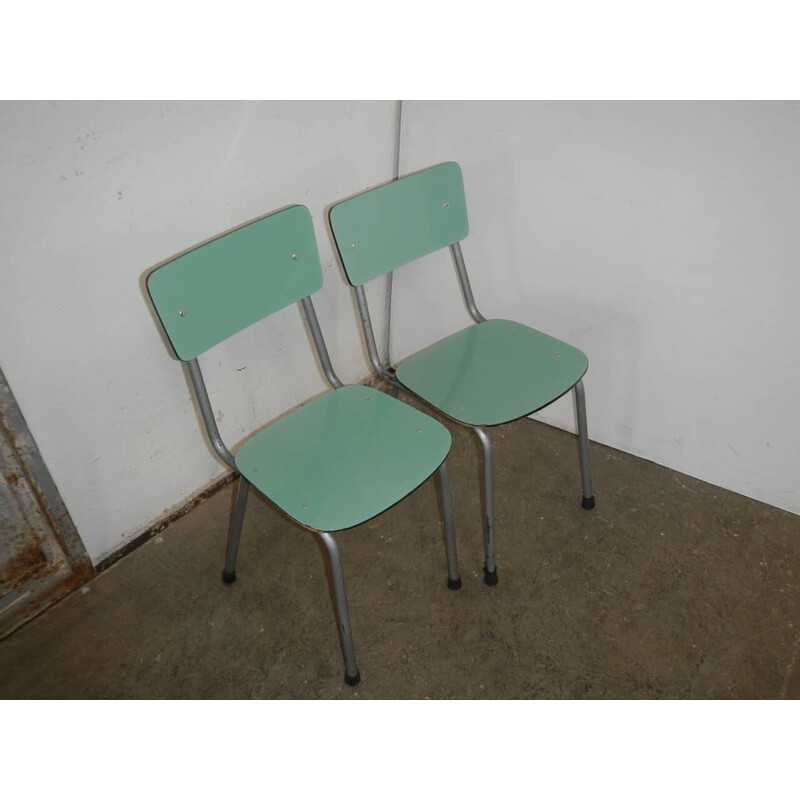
(227, 284)
(384, 228)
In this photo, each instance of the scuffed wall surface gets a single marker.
(94, 194)
(661, 238)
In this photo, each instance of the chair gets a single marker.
(337, 461)
(491, 373)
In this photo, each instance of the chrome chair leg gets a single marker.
(489, 568)
(351, 674)
(235, 533)
(583, 437)
(453, 577)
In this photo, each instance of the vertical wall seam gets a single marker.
(387, 305)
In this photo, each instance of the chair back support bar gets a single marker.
(369, 334)
(208, 414)
(319, 343)
(463, 281)
(384, 228)
(229, 283)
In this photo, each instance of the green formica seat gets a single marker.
(474, 376)
(491, 373)
(339, 459)
(344, 457)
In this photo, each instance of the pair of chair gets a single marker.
(350, 454)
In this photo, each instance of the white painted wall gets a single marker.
(93, 195)
(662, 239)
(657, 237)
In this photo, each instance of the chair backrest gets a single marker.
(227, 284)
(384, 228)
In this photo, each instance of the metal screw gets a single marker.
(558, 352)
(446, 205)
(305, 505)
(295, 256)
(355, 244)
(460, 408)
(368, 399)
(417, 430)
(181, 313)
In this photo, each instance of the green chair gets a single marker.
(495, 371)
(338, 460)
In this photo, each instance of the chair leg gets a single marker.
(235, 533)
(583, 437)
(351, 674)
(453, 578)
(489, 568)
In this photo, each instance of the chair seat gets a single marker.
(344, 457)
(493, 373)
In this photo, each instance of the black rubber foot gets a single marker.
(228, 577)
(588, 503)
(454, 584)
(352, 680)
(490, 578)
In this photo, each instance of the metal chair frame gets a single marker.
(387, 374)
(352, 675)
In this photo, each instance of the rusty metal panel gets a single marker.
(41, 555)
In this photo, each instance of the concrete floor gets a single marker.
(670, 588)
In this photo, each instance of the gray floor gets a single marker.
(670, 588)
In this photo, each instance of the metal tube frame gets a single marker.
(235, 531)
(208, 413)
(319, 343)
(463, 280)
(580, 396)
(351, 673)
(453, 576)
(384, 371)
(352, 676)
(583, 438)
(489, 568)
(369, 338)
(199, 384)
